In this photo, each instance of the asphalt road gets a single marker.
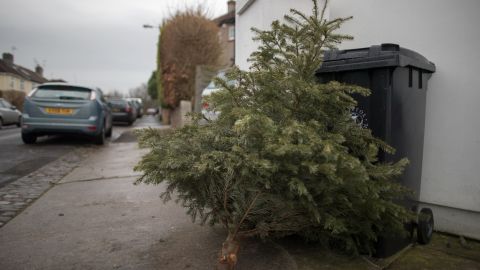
(18, 159)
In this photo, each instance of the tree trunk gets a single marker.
(165, 116)
(228, 255)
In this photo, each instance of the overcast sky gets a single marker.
(91, 42)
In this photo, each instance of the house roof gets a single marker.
(6, 68)
(228, 18)
(245, 6)
(24, 73)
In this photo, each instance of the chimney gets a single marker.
(231, 6)
(39, 70)
(8, 57)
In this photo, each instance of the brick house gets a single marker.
(226, 35)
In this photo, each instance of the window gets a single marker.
(12, 82)
(231, 33)
(63, 92)
(22, 84)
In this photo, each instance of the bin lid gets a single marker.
(378, 56)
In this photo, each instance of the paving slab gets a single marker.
(117, 160)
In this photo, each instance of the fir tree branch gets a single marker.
(252, 203)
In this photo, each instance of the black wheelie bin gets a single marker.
(395, 112)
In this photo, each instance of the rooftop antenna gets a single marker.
(13, 49)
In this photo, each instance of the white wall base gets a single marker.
(455, 221)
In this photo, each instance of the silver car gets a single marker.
(208, 110)
(9, 115)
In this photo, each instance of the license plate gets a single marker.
(115, 110)
(61, 111)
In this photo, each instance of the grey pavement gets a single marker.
(27, 171)
(17, 195)
(95, 218)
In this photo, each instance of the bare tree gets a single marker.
(114, 94)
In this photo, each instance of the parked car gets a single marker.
(138, 103)
(123, 111)
(60, 108)
(9, 115)
(152, 111)
(208, 111)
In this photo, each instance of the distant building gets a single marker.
(226, 34)
(15, 77)
(260, 14)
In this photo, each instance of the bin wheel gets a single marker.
(425, 226)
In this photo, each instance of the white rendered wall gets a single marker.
(260, 15)
(446, 32)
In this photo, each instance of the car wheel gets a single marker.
(425, 226)
(19, 123)
(100, 138)
(108, 134)
(29, 138)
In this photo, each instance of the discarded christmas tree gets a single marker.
(285, 156)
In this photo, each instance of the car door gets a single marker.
(9, 115)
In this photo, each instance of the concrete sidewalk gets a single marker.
(95, 218)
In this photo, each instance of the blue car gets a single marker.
(59, 108)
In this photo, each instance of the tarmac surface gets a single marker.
(17, 159)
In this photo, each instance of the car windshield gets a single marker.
(5, 103)
(63, 93)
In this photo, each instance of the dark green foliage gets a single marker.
(152, 86)
(285, 156)
(158, 72)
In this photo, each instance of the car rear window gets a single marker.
(118, 103)
(63, 93)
